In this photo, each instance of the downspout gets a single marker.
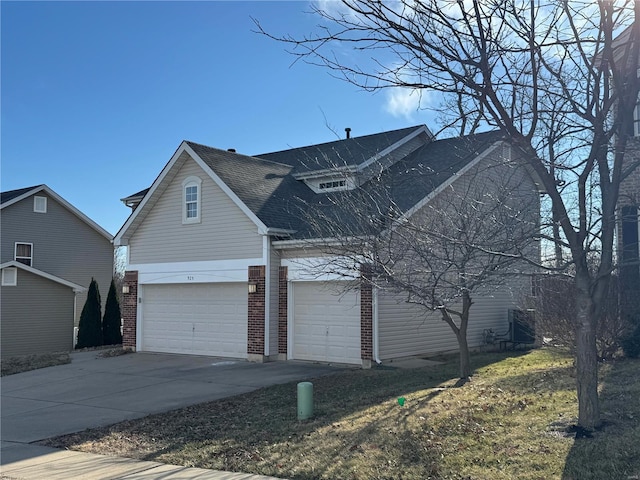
(266, 254)
(75, 312)
(374, 312)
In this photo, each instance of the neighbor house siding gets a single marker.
(37, 316)
(224, 232)
(63, 244)
(407, 329)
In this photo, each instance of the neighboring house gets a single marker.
(49, 251)
(220, 252)
(628, 235)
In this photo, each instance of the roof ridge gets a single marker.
(238, 154)
(341, 140)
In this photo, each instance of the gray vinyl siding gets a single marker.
(63, 244)
(273, 299)
(37, 316)
(408, 329)
(224, 233)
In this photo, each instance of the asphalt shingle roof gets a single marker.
(280, 201)
(11, 194)
(339, 153)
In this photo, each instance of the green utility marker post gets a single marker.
(305, 400)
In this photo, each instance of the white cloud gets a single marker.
(403, 102)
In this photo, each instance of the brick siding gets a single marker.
(130, 310)
(366, 314)
(256, 311)
(283, 305)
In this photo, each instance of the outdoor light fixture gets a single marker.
(252, 288)
(125, 289)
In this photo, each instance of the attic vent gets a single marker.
(232, 150)
(333, 184)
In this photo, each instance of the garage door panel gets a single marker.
(326, 323)
(199, 319)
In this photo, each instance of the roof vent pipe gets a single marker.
(348, 130)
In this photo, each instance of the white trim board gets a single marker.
(315, 269)
(214, 271)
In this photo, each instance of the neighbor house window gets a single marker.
(9, 277)
(40, 204)
(191, 200)
(24, 253)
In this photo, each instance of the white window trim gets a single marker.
(191, 182)
(35, 204)
(10, 280)
(15, 252)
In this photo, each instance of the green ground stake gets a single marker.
(305, 400)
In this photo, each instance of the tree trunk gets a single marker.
(586, 359)
(465, 358)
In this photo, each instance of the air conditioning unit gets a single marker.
(522, 326)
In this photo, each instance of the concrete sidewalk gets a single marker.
(94, 392)
(43, 463)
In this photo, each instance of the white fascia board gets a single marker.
(447, 183)
(22, 197)
(316, 242)
(64, 203)
(76, 288)
(262, 228)
(318, 269)
(213, 271)
(327, 172)
(393, 147)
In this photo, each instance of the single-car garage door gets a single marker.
(326, 323)
(197, 319)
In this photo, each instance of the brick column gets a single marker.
(130, 310)
(366, 316)
(256, 315)
(283, 304)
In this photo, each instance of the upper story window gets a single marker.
(191, 200)
(40, 204)
(24, 253)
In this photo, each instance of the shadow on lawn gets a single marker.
(350, 410)
(613, 452)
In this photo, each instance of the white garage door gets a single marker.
(326, 323)
(197, 319)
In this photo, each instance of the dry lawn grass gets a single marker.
(24, 363)
(510, 422)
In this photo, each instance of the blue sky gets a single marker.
(96, 96)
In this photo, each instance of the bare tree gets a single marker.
(521, 66)
(471, 239)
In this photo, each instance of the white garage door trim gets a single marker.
(320, 310)
(196, 319)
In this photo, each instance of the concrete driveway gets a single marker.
(93, 392)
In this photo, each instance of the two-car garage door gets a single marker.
(197, 319)
(326, 323)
